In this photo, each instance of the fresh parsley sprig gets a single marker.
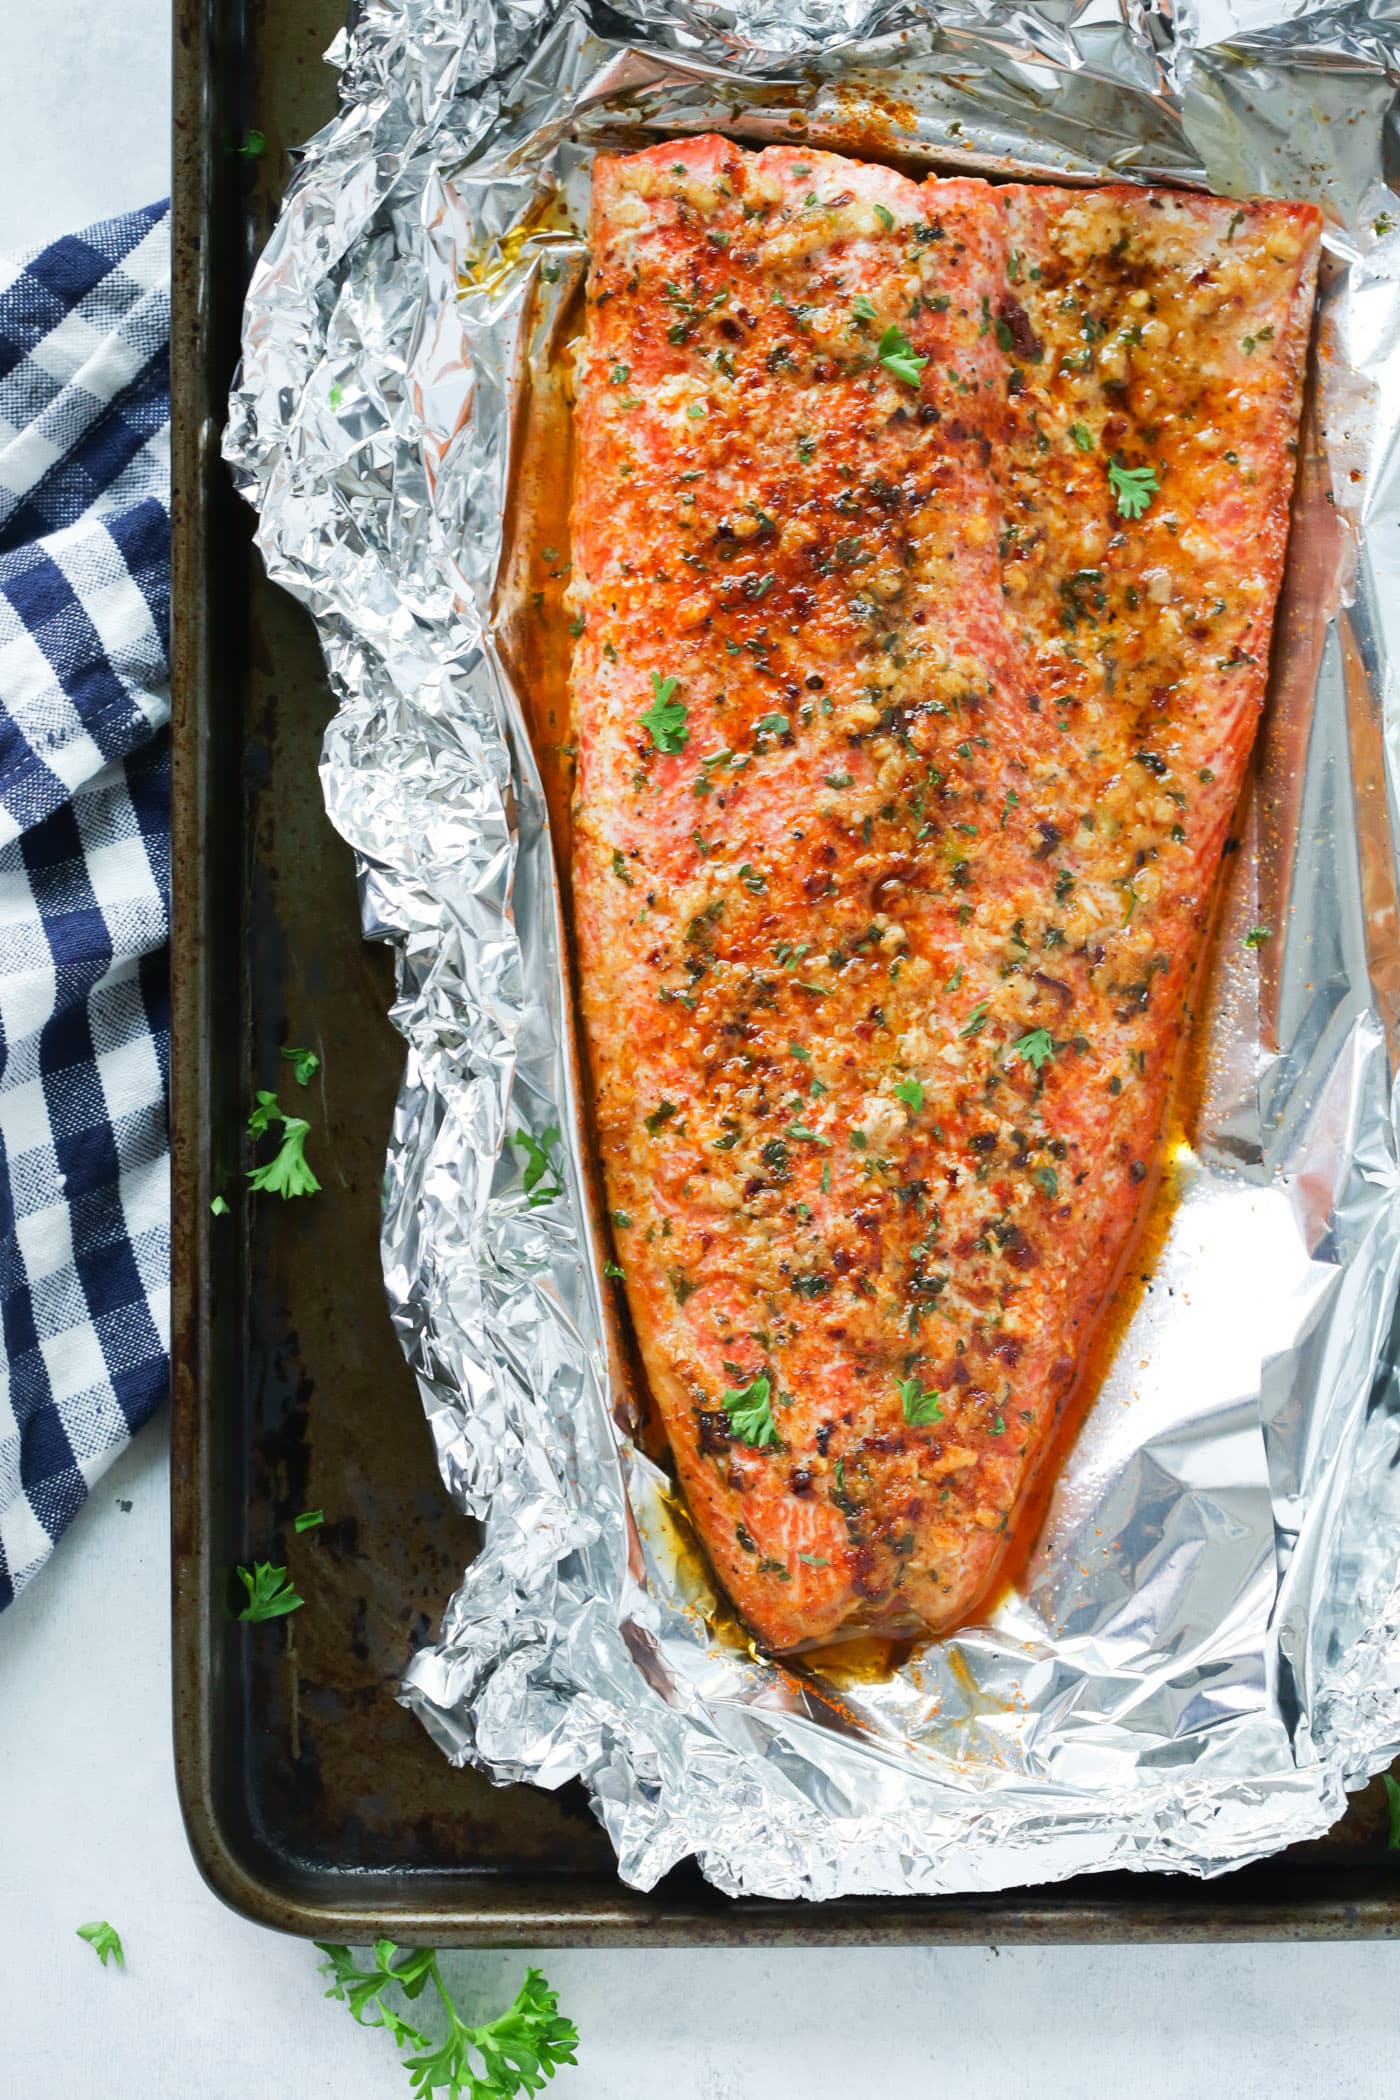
(305, 1064)
(1134, 487)
(750, 1413)
(270, 1595)
(288, 1173)
(920, 1403)
(896, 354)
(1037, 1047)
(519, 2052)
(665, 718)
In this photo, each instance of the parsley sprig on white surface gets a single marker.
(519, 2052)
(105, 1941)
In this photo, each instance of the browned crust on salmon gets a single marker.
(957, 515)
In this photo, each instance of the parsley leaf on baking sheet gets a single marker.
(288, 1172)
(305, 1064)
(270, 1595)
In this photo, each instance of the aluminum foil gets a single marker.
(1204, 1655)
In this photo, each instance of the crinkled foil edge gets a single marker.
(370, 426)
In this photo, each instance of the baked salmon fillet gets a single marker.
(926, 540)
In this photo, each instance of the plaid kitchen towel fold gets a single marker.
(84, 867)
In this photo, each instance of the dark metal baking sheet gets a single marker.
(313, 1802)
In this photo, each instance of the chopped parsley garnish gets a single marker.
(885, 216)
(911, 1093)
(750, 1414)
(662, 1113)
(976, 1020)
(619, 375)
(264, 1113)
(270, 1595)
(105, 1941)
(1083, 441)
(863, 308)
(1134, 487)
(1049, 1180)
(305, 1064)
(1257, 936)
(896, 354)
(1036, 1048)
(665, 718)
(287, 1173)
(309, 1520)
(219, 1207)
(800, 1130)
(920, 1403)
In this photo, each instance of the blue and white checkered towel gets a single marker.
(84, 867)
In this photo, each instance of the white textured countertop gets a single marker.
(211, 2008)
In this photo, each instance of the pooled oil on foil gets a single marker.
(1203, 1653)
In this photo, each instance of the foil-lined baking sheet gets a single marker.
(1203, 1655)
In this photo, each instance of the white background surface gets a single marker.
(210, 2008)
